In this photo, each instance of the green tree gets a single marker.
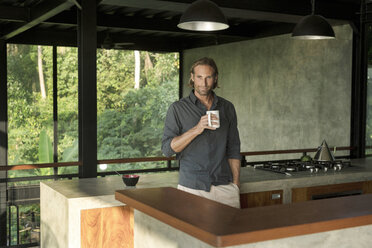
(130, 122)
(28, 113)
(134, 126)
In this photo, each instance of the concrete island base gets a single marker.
(150, 232)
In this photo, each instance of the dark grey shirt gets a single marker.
(205, 160)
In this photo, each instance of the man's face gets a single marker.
(204, 79)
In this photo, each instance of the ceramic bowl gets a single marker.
(130, 180)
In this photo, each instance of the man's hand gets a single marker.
(180, 142)
(203, 123)
(237, 183)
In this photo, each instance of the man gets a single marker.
(209, 157)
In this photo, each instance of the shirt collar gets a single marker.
(193, 98)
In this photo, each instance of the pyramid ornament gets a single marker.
(323, 153)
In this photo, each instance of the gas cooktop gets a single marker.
(296, 166)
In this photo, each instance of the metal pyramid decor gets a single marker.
(323, 153)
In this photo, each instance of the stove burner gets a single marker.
(275, 167)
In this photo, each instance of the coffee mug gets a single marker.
(213, 123)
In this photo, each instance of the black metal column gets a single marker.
(359, 89)
(55, 110)
(87, 45)
(3, 140)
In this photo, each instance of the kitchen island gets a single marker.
(63, 203)
(167, 217)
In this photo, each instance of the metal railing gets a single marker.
(154, 159)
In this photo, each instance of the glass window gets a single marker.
(68, 130)
(30, 107)
(30, 131)
(134, 91)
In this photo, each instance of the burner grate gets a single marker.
(297, 166)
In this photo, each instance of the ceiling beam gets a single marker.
(57, 13)
(158, 43)
(38, 14)
(46, 38)
(161, 25)
(289, 11)
(140, 41)
(68, 19)
(14, 14)
(69, 38)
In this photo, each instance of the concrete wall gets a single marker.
(288, 93)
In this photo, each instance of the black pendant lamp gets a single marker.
(313, 27)
(203, 15)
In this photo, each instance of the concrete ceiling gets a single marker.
(152, 24)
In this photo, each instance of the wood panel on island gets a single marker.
(274, 197)
(107, 227)
(260, 199)
(331, 191)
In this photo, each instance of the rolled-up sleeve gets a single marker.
(233, 142)
(171, 130)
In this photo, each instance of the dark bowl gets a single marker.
(130, 180)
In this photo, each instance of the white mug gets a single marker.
(213, 123)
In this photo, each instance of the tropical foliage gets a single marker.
(130, 114)
(130, 120)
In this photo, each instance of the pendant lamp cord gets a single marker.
(312, 7)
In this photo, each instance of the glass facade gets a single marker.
(30, 107)
(134, 90)
(67, 106)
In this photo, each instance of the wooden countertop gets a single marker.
(221, 225)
